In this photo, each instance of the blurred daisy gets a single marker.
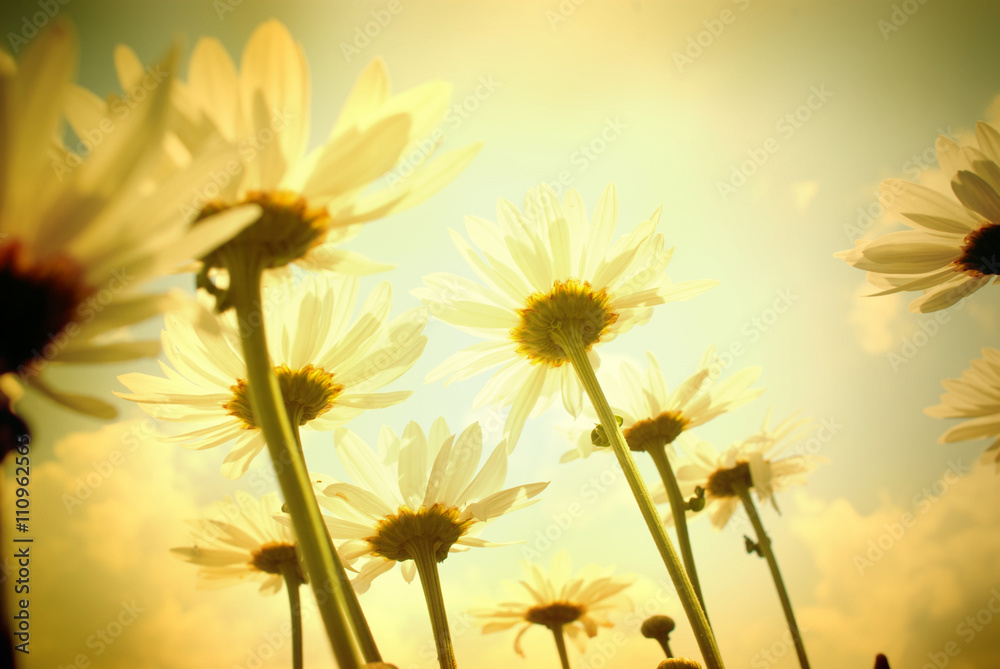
(328, 367)
(548, 268)
(565, 603)
(755, 462)
(975, 395)
(652, 416)
(313, 200)
(76, 243)
(243, 542)
(416, 491)
(953, 248)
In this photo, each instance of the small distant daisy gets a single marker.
(328, 367)
(561, 601)
(755, 462)
(953, 249)
(652, 416)
(975, 395)
(249, 545)
(418, 489)
(312, 200)
(75, 244)
(542, 269)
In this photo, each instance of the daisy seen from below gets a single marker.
(727, 479)
(540, 269)
(569, 604)
(249, 545)
(75, 244)
(953, 246)
(976, 396)
(417, 499)
(312, 200)
(654, 416)
(329, 366)
(755, 462)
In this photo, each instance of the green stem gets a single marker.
(561, 645)
(422, 552)
(292, 583)
(362, 631)
(679, 513)
(572, 344)
(764, 542)
(269, 412)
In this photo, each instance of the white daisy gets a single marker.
(328, 367)
(652, 416)
(314, 200)
(975, 395)
(953, 248)
(755, 462)
(421, 487)
(561, 601)
(543, 269)
(74, 246)
(243, 542)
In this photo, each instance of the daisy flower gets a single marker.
(312, 200)
(327, 366)
(74, 245)
(756, 462)
(953, 248)
(417, 490)
(542, 269)
(243, 543)
(574, 604)
(653, 417)
(975, 395)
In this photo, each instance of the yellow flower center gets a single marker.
(981, 252)
(40, 299)
(439, 525)
(722, 482)
(285, 232)
(555, 615)
(654, 432)
(571, 304)
(308, 392)
(275, 557)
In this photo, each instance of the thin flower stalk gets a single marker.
(557, 632)
(292, 583)
(764, 545)
(571, 343)
(423, 554)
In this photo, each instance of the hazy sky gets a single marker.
(668, 101)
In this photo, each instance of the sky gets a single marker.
(763, 129)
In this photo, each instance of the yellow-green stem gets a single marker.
(269, 412)
(679, 513)
(571, 341)
(764, 542)
(561, 646)
(362, 631)
(423, 553)
(292, 583)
